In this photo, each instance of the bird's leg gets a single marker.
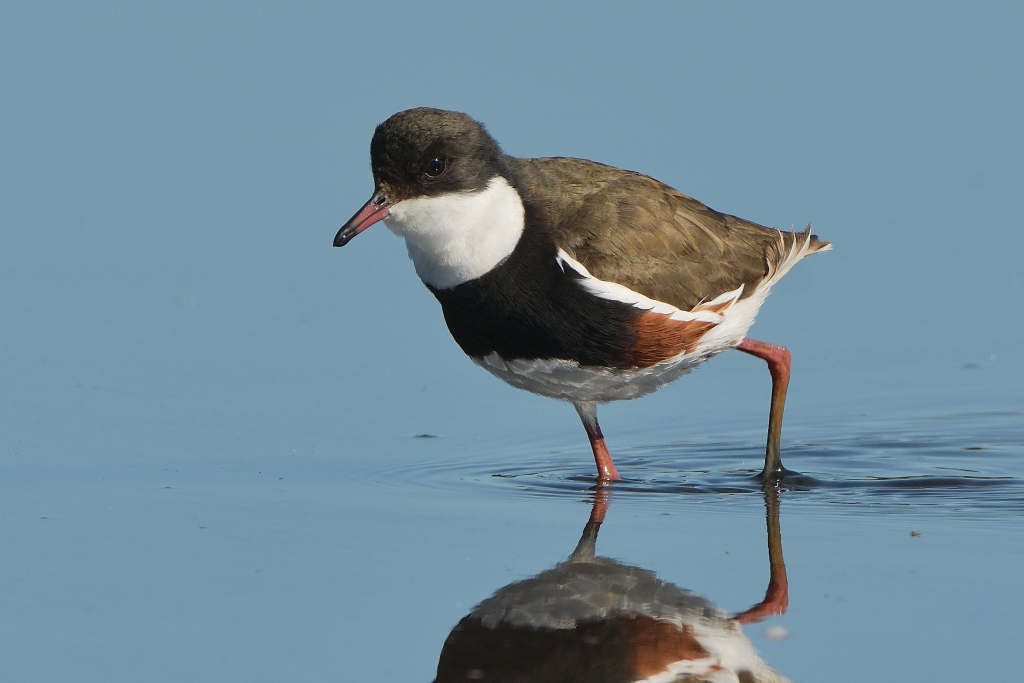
(776, 598)
(588, 413)
(778, 359)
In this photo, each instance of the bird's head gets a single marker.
(425, 153)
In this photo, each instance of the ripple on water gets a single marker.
(962, 464)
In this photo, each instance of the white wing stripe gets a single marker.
(615, 292)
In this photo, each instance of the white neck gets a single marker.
(459, 237)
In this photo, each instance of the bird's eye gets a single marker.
(435, 167)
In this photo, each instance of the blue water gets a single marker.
(230, 452)
(155, 550)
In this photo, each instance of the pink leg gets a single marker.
(778, 360)
(776, 598)
(605, 467)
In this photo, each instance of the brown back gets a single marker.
(629, 228)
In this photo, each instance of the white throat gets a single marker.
(459, 237)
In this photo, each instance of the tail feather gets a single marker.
(814, 244)
(792, 247)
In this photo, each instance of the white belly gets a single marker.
(569, 381)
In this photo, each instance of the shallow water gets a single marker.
(961, 464)
(242, 561)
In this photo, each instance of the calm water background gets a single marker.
(209, 467)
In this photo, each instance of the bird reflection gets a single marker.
(594, 619)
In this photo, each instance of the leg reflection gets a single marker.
(776, 598)
(586, 548)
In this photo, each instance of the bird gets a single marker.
(570, 278)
